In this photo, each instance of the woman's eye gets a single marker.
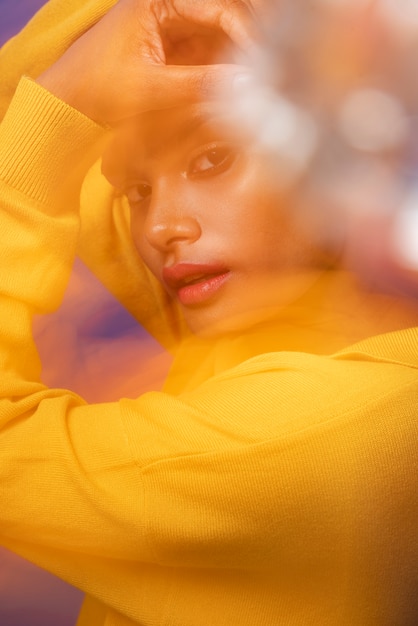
(212, 161)
(138, 193)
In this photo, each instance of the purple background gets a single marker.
(14, 14)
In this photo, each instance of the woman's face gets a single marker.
(208, 217)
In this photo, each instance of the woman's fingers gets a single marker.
(235, 18)
(174, 29)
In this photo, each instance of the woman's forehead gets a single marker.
(156, 131)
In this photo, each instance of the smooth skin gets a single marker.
(202, 192)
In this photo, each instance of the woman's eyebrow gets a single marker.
(189, 126)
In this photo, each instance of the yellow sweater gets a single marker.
(280, 490)
(279, 486)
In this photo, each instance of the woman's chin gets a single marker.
(255, 305)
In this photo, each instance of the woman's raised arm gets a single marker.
(146, 55)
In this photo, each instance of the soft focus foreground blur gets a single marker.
(334, 97)
(335, 100)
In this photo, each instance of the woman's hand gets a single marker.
(151, 54)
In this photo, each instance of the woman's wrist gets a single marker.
(63, 81)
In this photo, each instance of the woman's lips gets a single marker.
(195, 283)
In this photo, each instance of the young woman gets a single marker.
(274, 479)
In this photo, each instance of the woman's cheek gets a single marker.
(137, 225)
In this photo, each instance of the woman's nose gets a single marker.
(167, 225)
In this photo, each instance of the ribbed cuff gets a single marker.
(43, 141)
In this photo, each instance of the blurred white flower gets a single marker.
(343, 3)
(278, 126)
(405, 233)
(401, 15)
(372, 121)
